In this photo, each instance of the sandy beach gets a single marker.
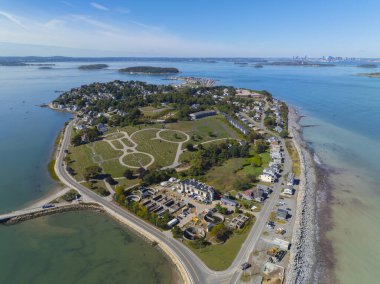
(303, 251)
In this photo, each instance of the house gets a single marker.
(266, 178)
(248, 194)
(288, 191)
(230, 202)
(201, 114)
(199, 188)
(102, 128)
(236, 124)
(282, 214)
(80, 127)
(260, 194)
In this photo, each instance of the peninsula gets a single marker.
(149, 70)
(162, 156)
(370, 75)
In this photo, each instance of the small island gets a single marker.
(149, 70)
(370, 75)
(45, 67)
(93, 67)
(367, 66)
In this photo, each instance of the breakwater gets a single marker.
(50, 211)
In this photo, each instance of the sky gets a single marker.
(190, 28)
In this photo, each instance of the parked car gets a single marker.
(245, 266)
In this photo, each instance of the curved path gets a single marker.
(191, 267)
(128, 150)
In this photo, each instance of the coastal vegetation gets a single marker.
(93, 67)
(149, 70)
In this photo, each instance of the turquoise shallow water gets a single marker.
(345, 108)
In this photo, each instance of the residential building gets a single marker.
(230, 202)
(267, 178)
(199, 188)
(201, 114)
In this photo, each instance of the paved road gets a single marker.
(196, 270)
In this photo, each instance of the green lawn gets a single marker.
(163, 152)
(127, 142)
(113, 168)
(105, 150)
(82, 157)
(117, 144)
(137, 159)
(128, 182)
(220, 257)
(115, 135)
(173, 136)
(152, 112)
(206, 129)
(224, 177)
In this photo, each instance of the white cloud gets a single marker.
(99, 6)
(12, 18)
(101, 38)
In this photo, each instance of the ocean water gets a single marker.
(342, 115)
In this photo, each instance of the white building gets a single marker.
(266, 178)
(199, 188)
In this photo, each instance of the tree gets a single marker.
(142, 172)
(76, 140)
(91, 172)
(284, 133)
(220, 232)
(260, 146)
(128, 174)
(110, 180)
(177, 232)
(190, 147)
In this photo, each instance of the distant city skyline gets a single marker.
(244, 28)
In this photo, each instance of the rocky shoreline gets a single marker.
(302, 260)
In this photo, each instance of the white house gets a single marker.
(266, 178)
(288, 191)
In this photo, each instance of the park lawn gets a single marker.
(223, 177)
(163, 152)
(127, 142)
(113, 136)
(173, 136)
(126, 183)
(136, 159)
(220, 257)
(105, 150)
(81, 156)
(117, 144)
(113, 168)
(208, 128)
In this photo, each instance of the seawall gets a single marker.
(51, 211)
(302, 253)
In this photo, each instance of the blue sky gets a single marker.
(213, 28)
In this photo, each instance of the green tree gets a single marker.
(91, 172)
(128, 174)
(76, 140)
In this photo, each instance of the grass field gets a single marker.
(127, 142)
(224, 177)
(137, 159)
(206, 129)
(152, 112)
(173, 136)
(115, 135)
(117, 144)
(220, 257)
(103, 149)
(163, 152)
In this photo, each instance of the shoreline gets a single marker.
(303, 260)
